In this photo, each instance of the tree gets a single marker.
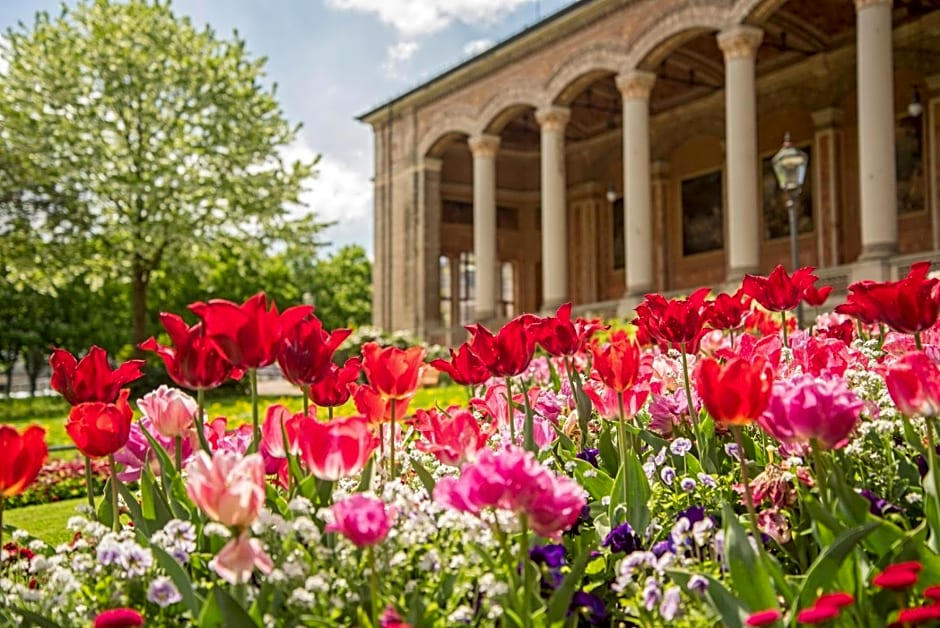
(134, 140)
(342, 288)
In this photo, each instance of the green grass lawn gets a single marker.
(46, 522)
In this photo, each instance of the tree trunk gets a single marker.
(9, 377)
(139, 310)
(33, 360)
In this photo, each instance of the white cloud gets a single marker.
(477, 46)
(397, 54)
(422, 17)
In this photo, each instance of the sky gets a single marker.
(335, 59)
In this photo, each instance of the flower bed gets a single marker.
(58, 480)
(715, 466)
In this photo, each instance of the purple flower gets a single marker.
(664, 547)
(136, 453)
(687, 484)
(589, 455)
(680, 446)
(670, 606)
(693, 514)
(698, 584)
(163, 592)
(622, 539)
(551, 555)
(668, 475)
(589, 607)
(877, 505)
(652, 594)
(667, 411)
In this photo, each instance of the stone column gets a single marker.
(660, 202)
(932, 167)
(428, 297)
(553, 120)
(739, 45)
(876, 159)
(484, 149)
(826, 170)
(635, 87)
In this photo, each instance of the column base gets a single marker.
(878, 251)
(627, 305)
(639, 292)
(875, 269)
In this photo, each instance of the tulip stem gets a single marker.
(90, 485)
(693, 415)
(523, 564)
(391, 440)
(783, 329)
(1, 520)
(622, 445)
(512, 425)
(115, 511)
(820, 473)
(932, 458)
(201, 420)
(917, 342)
(745, 480)
(306, 391)
(179, 453)
(255, 429)
(374, 583)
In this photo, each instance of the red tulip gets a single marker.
(677, 322)
(336, 449)
(735, 393)
(91, 378)
(914, 384)
(334, 386)
(559, 336)
(779, 292)
(119, 618)
(21, 458)
(392, 371)
(907, 306)
(465, 367)
(100, 429)
(193, 361)
(816, 297)
(727, 311)
(378, 409)
(507, 352)
(247, 335)
(306, 350)
(453, 437)
(617, 363)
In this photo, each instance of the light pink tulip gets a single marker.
(363, 520)
(454, 437)
(239, 557)
(272, 436)
(338, 448)
(227, 487)
(806, 408)
(914, 384)
(171, 410)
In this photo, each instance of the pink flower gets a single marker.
(454, 437)
(514, 480)
(336, 449)
(914, 384)
(804, 408)
(239, 557)
(227, 487)
(234, 441)
(607, 404)
(137, 451)
(171, 410)
(361, 519)
(279, 421)
(119, 618)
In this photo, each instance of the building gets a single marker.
(620, 147)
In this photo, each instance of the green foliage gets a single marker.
(342, 288)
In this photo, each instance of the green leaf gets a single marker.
(733, 614)
(133, 507)
(424, 475)
(179, 577)
(610, 459)
(30, 618)
(222, 611)
(594, 480)
(153, 502)
(638, 495)
(365, 479)
(561, 599)
(749, 575)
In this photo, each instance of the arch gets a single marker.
(672, 30)
(582, 68)
(439, 145)
(499, 110)
(754, 11)
(665, 140)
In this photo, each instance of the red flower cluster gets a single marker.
(91, 378)
(909, 306)
(780, 292)
(826, 608)
(677, 323)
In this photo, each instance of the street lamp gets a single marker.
(790, 169)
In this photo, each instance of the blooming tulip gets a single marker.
(363, 520)
(193, 361)
(100, 429)
(21, 458)
(91, 378)
(807, 408)
(907, 306)
(617, 363)
(119, 618)
(137, 452)
(336, 449)
(727, 311)
(453, 437)
(392, 371)
(334, 386)
(737, 392)
(509, 351)
(171, 411)
(228, 487)
(780, 292)
(239, 557)
(377, 409)
(465, 367)
(676, 322)
(559, 336)
(914, 384)
(278, 422)
(305, 353)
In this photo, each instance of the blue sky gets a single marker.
(334, 59)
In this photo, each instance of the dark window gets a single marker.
(617, 233)
(702, 214)
(909, 152)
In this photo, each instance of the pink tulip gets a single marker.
(806, 408)
(239, 557)
(454, 437)
(278, 421)
(363, 520)
(914, 384)
(514, 480)
(336, 449)
(227, 487)
(608, 405)
(171, 410)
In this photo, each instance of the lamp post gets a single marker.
(789, 166)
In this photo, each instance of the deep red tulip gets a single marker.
(247, 335)
(917, 616)
(21, 458)
(306, 350)
(509, 351)
(465, 367)
(727, 311)
(334, 386)
(193, 361)
(675, 322)
(737, 392)
(837, 599)
(816, 297)
(559, 335)
(100, 429)
(779, 292)
(617, 363)
(91, 378)
(907, 306)
(763, 618)
(336, 449)
(392, 371)
(817, 615)
(896, 577)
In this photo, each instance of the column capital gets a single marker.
(864, 4)
(740, 41)
(484, 145)
(433, 164)
(659, 169)
(553, 117)
(828, 118)
(635, 84)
